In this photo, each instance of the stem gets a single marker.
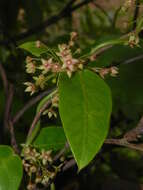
(35, 126)
(52, 186)
(136, 13)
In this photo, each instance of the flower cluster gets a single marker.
(39, 167)
(112, 71)
(133, 40)
(127, 4)
(45, 69)
(51, 111)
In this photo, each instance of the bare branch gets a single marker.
(9, 99)
(135, 133)
(4, 79)
(9, 92)
(125, 143)
(136, 13)
(13, 139)
(69, 164)
(61, 152)
(129, 61)
(29, 104)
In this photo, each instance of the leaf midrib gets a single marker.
(85, 106)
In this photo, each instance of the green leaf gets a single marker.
(50, 138)
(33, 49)
(139, 25)
(85, 106)
(10, 169)
(38, 51)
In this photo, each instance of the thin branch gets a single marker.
(9, 99)
(69, 164)
(125, 143)
(133, 59)
(129, 61)
(136, 132)
(120, 142)
(61, 152)
(50, 21)
(37, 117)
(4, 79)
(7, 118)
(29, 104)
(13, 139)
(9, 92)
(136, 13)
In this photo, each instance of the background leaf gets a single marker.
(50, 138)
(85, 108)
(10, 169)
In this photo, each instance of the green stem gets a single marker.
(52, 186)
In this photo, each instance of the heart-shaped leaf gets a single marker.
(85, 107)
(10, 169)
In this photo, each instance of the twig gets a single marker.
(133, 59)
(130, 60)
(61, 152)
(125, 143)
(69, 164)
(120, 142)
(4, 79)
(29, 104)
(37, 117)
(8, 104)
(136, 13)
(50, 21)
(135, 133)
(9, 92)
(13, 139)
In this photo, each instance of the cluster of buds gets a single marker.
(112, 71)
(30, 65)
(50, 67)
(133, 40)
(127, 4)
(39, 167)
(54, 105)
